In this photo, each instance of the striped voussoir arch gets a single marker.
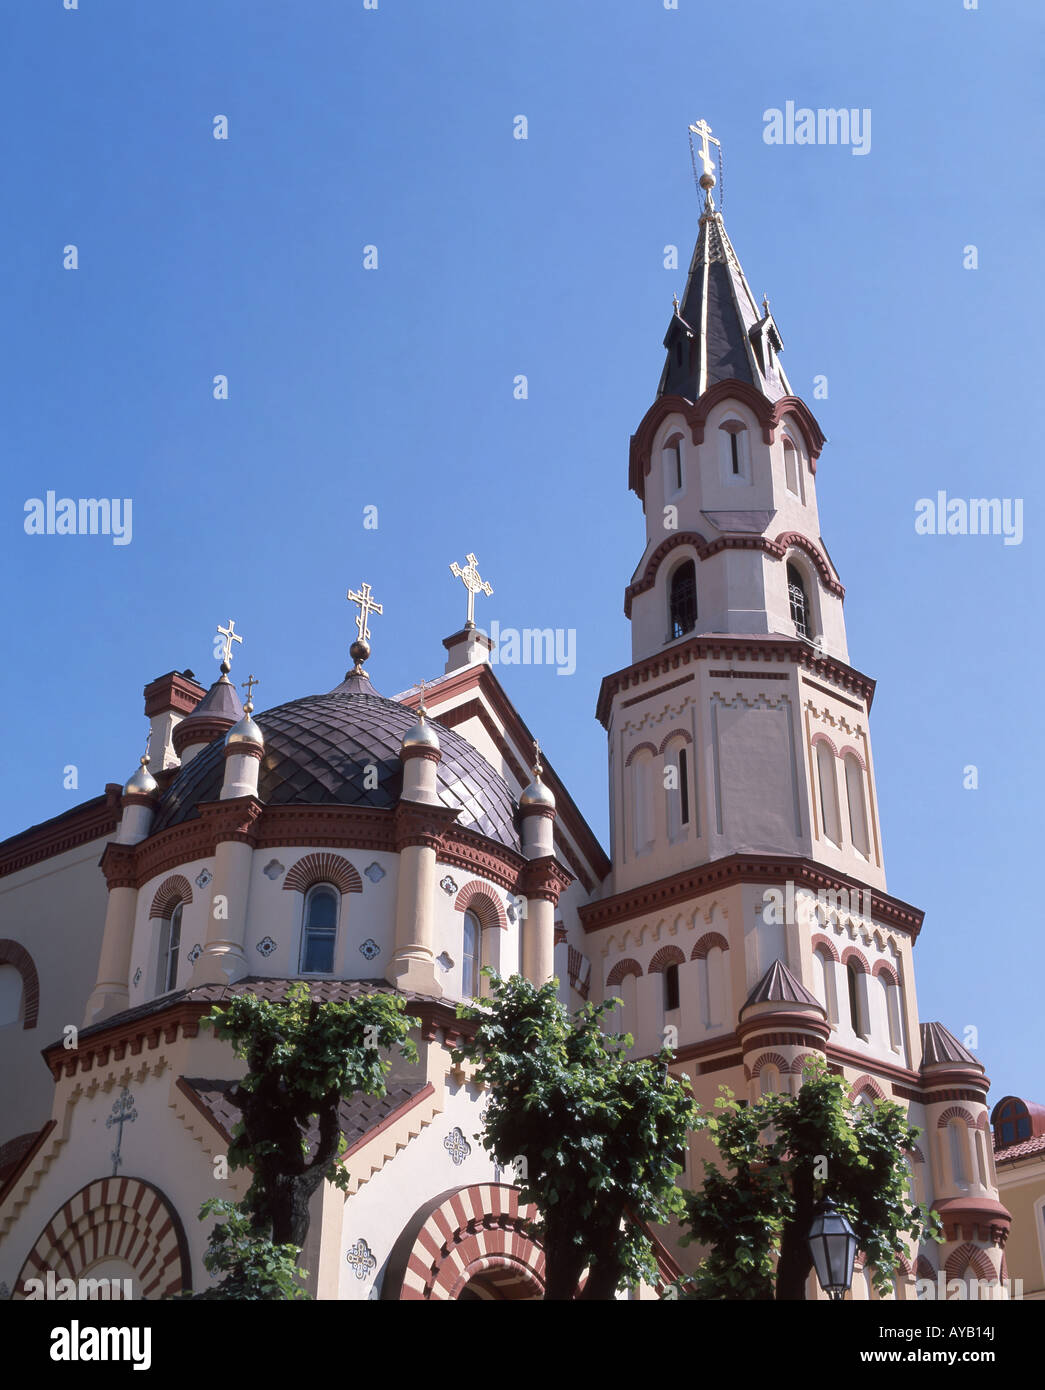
(323, 868)
(472, 1235)
(114, 1218)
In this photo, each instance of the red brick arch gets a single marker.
(707, 943)
(323, 868)
(885, 970)
(768, 1059)
(955, 1112)
(829, 946)
(640, 748)
(968, 1254)
(13, 953)
(858, 959)
(114, 1218)
(171, 892)
(794, 540)
(683, 734)
(924, 1269)
(480, 898)
(825, 738)
(622, 968)
(462, 1235)
(866, 1083)
(667, 955)
(844, 753)
(803, 1057)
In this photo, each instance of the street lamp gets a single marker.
(832, 1242)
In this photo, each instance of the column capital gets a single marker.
(119, 864)
(544, 878)
(235, 819)
(418, 824)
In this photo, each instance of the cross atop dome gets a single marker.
(367, 604)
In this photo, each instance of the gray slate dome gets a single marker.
(316, 752)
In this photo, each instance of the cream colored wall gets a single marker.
(56, 910)
(742, 591)
(1021, 1188)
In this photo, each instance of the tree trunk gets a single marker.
(563, 1265)
(796, 1261)
(604, 1269)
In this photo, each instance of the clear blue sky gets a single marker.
(542, 257)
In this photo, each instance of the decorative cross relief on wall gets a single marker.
(448, 885)
(123, 1113)
(361, 1259)
(370, 950)
(273, 869)
(374, 872)
(266, 946)
(203, 877)
(457, 1146)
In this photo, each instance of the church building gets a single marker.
(362, 841)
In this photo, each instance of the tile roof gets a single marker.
(265, 987)
(1027, 1148)
(318, 749)
(358, 1114)
(779, 986)
(220, 702)
(940, 1045)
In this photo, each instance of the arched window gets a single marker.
(471, 957)
(673, 475)
(769, 1081)
(677, 756)
(735, 451)
(319, 931)
(854, 791)
(683, 600)
(825, 767)
(11, 995)
(801, 613)
(791, 473)
(956, 1133)
(671, 987)
(170, 945)
(824, 978)
(1011, 1123)
(642, 802)
(856, 1011)
(712, 986)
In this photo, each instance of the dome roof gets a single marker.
(316, 752)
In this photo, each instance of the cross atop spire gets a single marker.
(707, 179)
(230, 635)
(470, 578)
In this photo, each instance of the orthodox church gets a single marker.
(365, 842)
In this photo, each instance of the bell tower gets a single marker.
(760, 743)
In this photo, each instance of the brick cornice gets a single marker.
(465, 849)
(173, 693)
(91, 821)
(247, 750)
(805, 1029)
(205, 729)
(742, 868)
(766, 647)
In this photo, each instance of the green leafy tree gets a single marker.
(253, 1266)
(303, 1057)
(600, 1139)
(778, 1158)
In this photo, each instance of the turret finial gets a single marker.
(360, 648)
(230, 635)
(707, 179)
(249, 685)
(473, 582)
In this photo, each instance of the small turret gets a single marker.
(244, 746)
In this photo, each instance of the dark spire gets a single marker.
(718, 332)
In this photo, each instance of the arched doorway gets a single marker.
(469, 1243)
(120, 1228)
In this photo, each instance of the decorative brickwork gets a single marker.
(13, 953)
(171, 892)
(323, 868)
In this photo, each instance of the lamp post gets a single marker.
(832, 1242)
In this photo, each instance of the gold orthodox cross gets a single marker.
(538, 766)
(230, 635)
(249, 685)
(702, 129)
(469, 577)
(366, 606)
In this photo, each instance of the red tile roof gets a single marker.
(1025, 1149)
